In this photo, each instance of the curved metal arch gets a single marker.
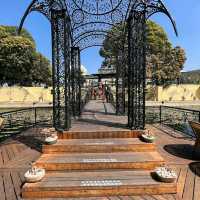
(90, 32)
(91, 27)
(106, 32)
(97, 14)
(90, 46)
(93, 33)
(166, 12)
(152, 7)
(141, 10)
(93, 22)
(22, 22)
(31, 9)
(97, 34)
(28, 10)
(86, 36)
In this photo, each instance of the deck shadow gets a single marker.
(30, 141)
(195, 168)
(103, 123)
(98, 112)
(181, 150)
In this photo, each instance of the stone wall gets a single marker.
(183, 92)
(43, 95)
(25, 94)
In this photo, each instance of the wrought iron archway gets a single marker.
(77, 25)
(139, 13)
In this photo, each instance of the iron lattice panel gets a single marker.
(120, 83)
(136, 70)
(83, 24)
(76, 81)
(61, 69)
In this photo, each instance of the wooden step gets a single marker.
(99, 134)
(99, 145)
(94, 161)
(96, 184)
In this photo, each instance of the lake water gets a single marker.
(196, 107)
(8, 109)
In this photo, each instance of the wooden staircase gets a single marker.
(98, 164)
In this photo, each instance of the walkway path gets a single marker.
(98, 115)
(17, 153)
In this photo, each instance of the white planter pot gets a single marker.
(147, 138)
(166, 175)
(37, 176)
(51, 140)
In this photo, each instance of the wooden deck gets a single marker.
(17, 153)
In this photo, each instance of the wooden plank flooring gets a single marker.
(17, 153)
(85, 184)
(98, 133)
(12, 175)
(95, 161)
(99, 145)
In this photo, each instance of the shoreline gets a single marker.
(50, 104)
(24, 104)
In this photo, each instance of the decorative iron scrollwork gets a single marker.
(80, 24)
(140, 11)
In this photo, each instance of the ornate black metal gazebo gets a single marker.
(80, 24)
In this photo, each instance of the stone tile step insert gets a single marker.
(98, 161)
(96, 184)
(99, 134)
(99, 145)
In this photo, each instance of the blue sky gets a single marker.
(185, 12)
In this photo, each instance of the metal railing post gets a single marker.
(35, 111)
(160, 114)
(199, 117)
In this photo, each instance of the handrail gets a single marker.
(174, 117)
(14, 111)
(24, 109)
(18, 120)
(178, 108)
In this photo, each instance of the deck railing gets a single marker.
(110, 96)
(18, 120)
(86, 96)
(21, 119)
(152, 114)
(174, 117)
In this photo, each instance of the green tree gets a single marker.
(19, 61)
(6, 31)
(164, 62)
(16, 59)
(41, 70)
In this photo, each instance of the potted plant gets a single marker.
(165, 174)
(148, 137)
(34, 175)
(50, 135)
(52, 139)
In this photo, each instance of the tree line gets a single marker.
(190, 77)
(164, 62)
(20, 63)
